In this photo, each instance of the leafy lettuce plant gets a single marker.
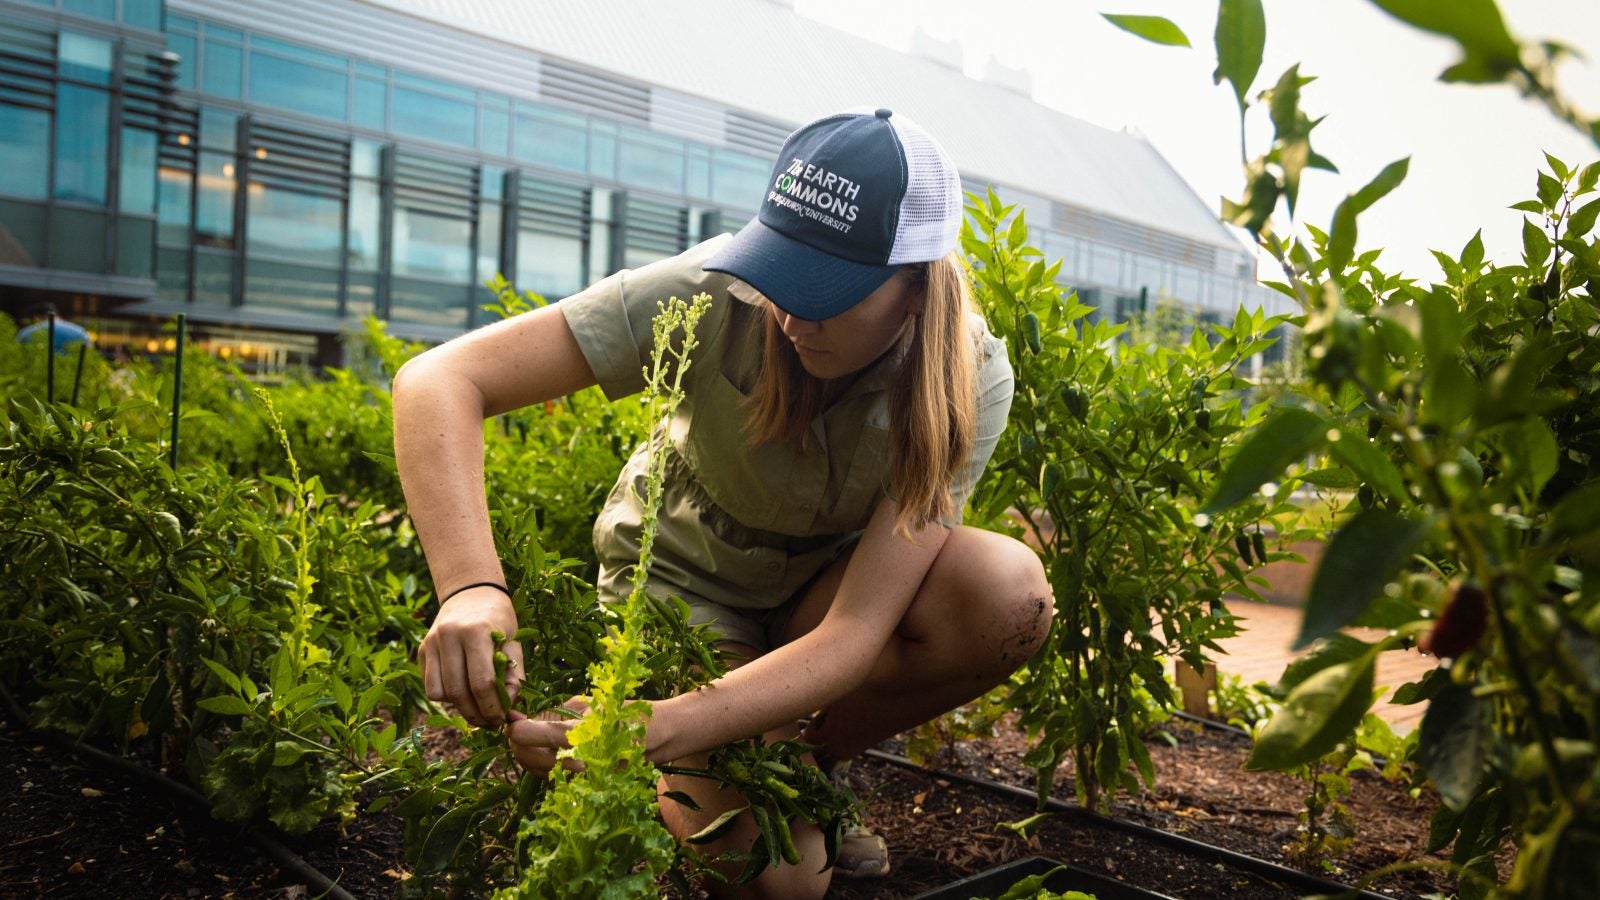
(597, 832)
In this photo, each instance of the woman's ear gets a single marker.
(916, 292)
(918, 300)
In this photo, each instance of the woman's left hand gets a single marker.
(535, 741)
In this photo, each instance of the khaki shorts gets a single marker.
(763, 629)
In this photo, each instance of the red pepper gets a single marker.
(1461, 624)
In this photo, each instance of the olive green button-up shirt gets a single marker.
(746, 526)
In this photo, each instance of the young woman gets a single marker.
(842, 404)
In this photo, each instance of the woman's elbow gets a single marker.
(425, 387)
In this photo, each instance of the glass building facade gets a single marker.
(159, 162)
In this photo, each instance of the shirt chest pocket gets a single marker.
(864, 482)
(710, 436)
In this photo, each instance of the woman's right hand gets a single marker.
(457, 656)
(535, 741)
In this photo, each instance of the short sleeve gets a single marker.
(611, 318)
(995, 389)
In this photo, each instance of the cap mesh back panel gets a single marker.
(930, 214)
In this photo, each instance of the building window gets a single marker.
(558, 140)
(293, 225)
(22, 233)
(553, 237)
(363, 241)
(142, 14)
(82, 129)
(654, 231)
(176, 188)
(372, 103)
(491, 190)
(434, 111)
(548, 264)
(223, 69)
(287, 286)
(1148, 272)
(738, 181)
(603, 150)
(495, 121)
(435, 207)
(137, 180)
(650, 161)
(1187, 284)
(83, 58)
(77, 239)
(427, 245)
(214, 206)
(361, 246)
(24, 152)
(1105, 265)
(301, 85)
(187, 49)
(98, 9)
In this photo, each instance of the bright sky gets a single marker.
(1474, 150)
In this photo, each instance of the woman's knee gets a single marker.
(995, 588)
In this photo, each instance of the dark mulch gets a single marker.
(70, 830)
(941, 829)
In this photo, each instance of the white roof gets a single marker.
(762, 57)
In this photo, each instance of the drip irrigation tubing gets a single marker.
(1300, 880)
(270, 847)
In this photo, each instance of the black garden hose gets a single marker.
(1294, 877)
(270, 847)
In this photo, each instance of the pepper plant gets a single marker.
(1110, 449)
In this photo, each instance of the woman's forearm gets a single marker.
(787, 684)
(438, 448)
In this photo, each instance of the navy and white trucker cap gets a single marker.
(853, 197)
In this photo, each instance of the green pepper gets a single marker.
(786, 845)
(737, 772)
(777, 787)
(1258, 541)
(1031, 334)
(1241, 543)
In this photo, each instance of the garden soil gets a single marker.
(68, 829)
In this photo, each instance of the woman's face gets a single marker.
(854, 339)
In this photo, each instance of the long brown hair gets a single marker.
(932, 408)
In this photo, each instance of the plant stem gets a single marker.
(50, 358)
(177, 393)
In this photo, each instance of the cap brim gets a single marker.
(802, 280)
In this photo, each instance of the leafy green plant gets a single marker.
(1464, 415)
(1479, 485)
(192, 611)
(596, 833)
(1109, 449)
(934, 743)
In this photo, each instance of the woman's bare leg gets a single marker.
(785, 882)
(983, 609)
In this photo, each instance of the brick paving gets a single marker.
(1262, 652)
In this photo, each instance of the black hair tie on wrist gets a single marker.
(476, 584)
